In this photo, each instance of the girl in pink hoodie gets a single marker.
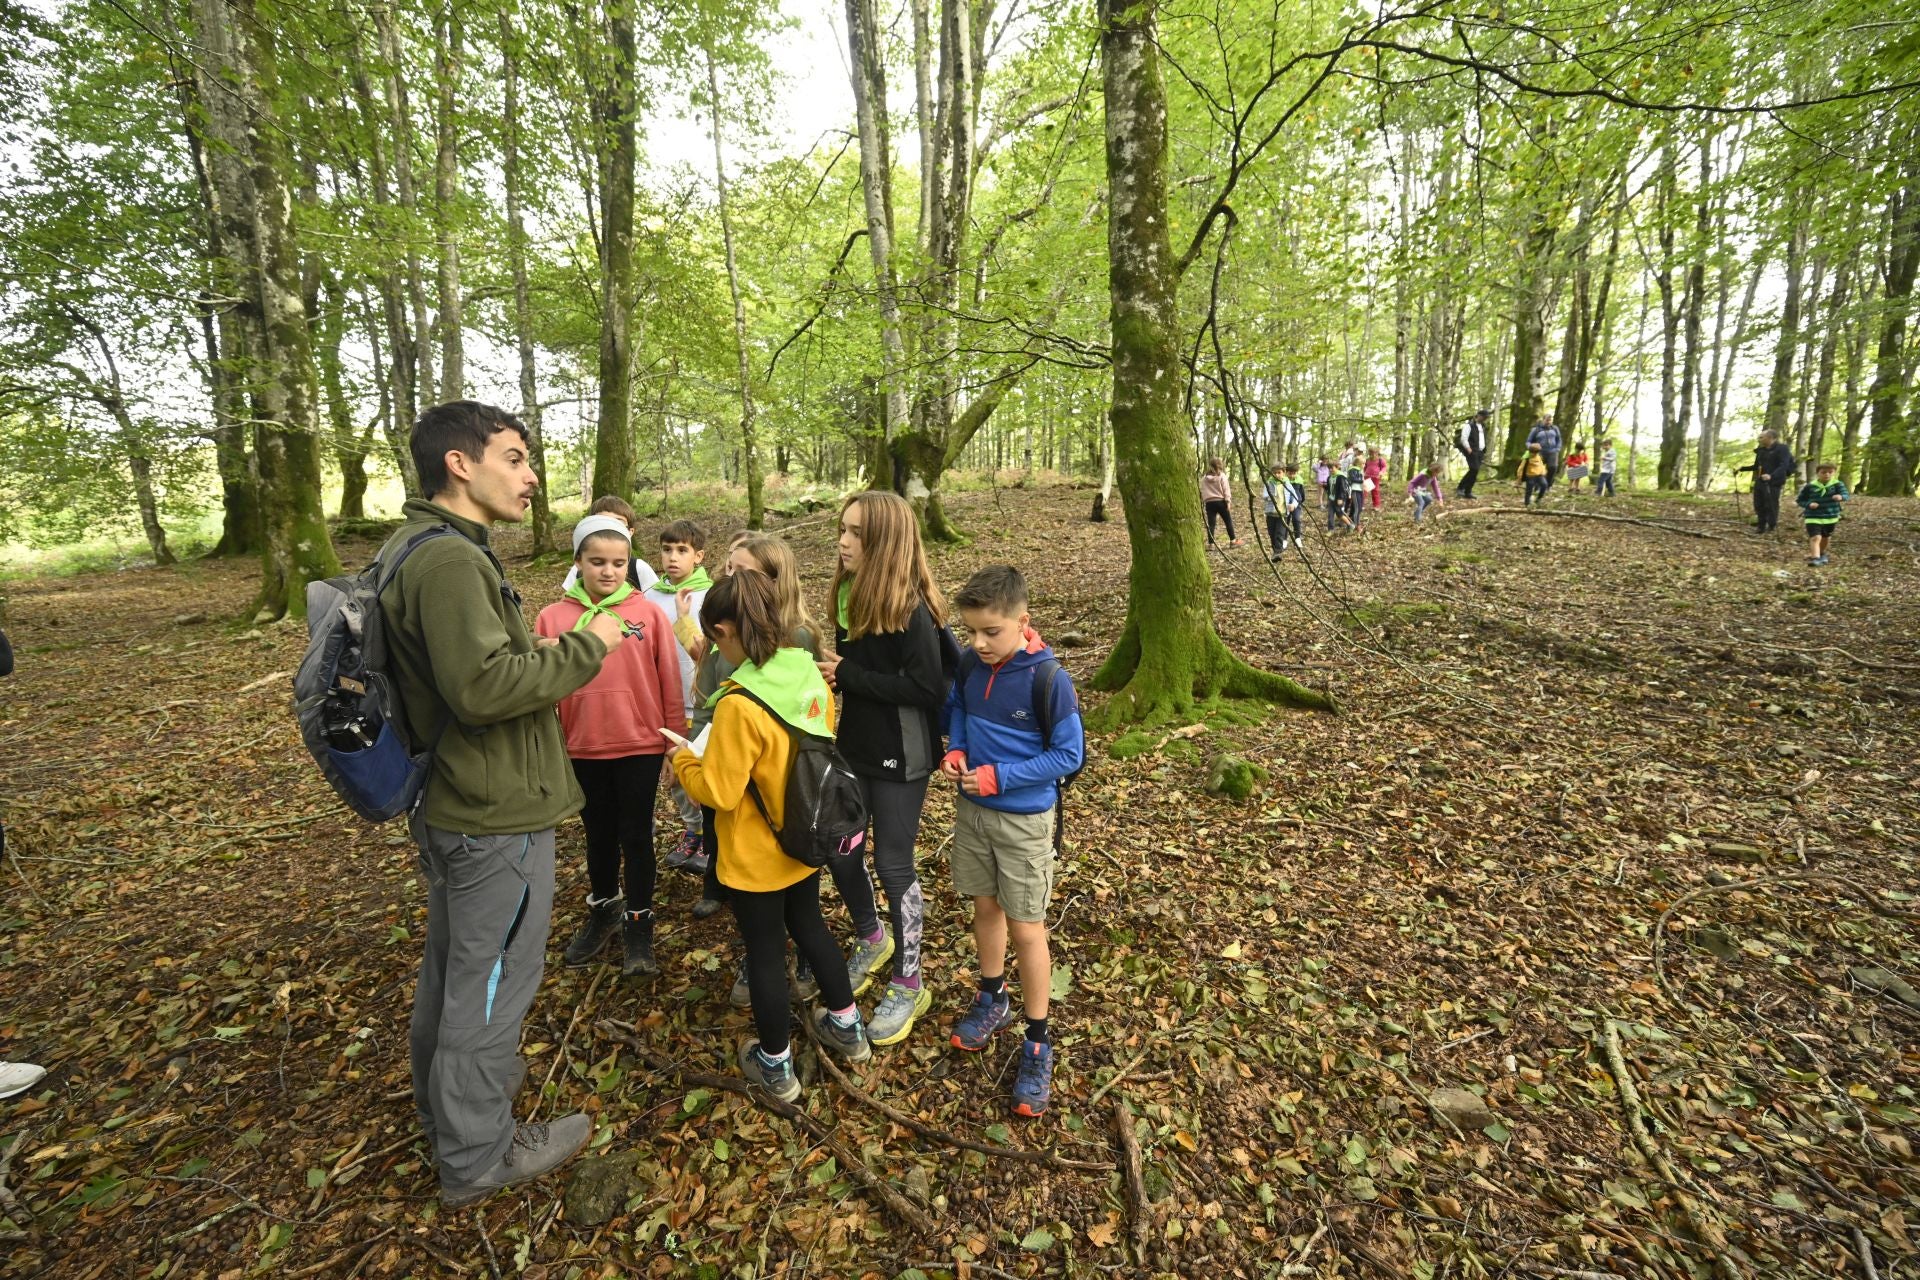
(1375, 475)
(613, 725)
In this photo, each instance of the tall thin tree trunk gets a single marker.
(876, 186)
(1890, 458)
(348, 451)
(400, 116)
(542, 513)
(448, 37)
(749, 448)
(615, 108)
(1829, 348)
(1780, 386)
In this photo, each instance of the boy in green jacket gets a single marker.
(480, 691)
(1819, 501)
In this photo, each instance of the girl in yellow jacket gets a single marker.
(773, 897)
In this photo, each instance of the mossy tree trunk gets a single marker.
(1169, 654)
(295, 546)
(542, 513)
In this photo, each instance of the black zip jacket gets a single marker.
(1771, 465)
(892, 687)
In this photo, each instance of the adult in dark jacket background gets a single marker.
(1547, 436)
(1471, 441)
(890, 670)
(1772, 467)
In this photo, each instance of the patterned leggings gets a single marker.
(895, 807)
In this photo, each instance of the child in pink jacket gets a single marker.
(613, 726)
(1375, 475)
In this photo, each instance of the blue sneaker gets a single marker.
(988, 1014)
(1033, 1085)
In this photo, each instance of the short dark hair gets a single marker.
(463, 426)
(610, 505)
(998, 587)
(685, 531)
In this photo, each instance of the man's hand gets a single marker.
(609, 629)
(829, 669)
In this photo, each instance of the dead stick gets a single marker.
(1865, 1249)
(891, 1200)
(1706, 1232)
(1136, 1185)
(1117, 1077)
(332, 1261)
(560, 1053)
(925, 1130)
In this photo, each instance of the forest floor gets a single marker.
(1617, 833)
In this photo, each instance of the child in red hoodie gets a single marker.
(613, 733)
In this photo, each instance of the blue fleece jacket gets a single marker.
(990, 721)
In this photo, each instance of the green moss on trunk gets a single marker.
(1169, 655)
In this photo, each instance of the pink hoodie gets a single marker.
(619, 712)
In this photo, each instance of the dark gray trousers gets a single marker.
(489, 902)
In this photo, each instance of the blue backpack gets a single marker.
(344, 697)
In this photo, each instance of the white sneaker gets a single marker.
(18, 1077)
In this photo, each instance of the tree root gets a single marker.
(1150, 694)
(1703, 1229)
(909, 1214)
(1578, 515)
(925, 1130)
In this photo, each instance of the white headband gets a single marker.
(600, 524)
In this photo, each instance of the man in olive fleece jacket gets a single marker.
(480, 690)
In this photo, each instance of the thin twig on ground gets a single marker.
(1136, 1184)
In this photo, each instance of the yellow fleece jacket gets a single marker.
(745, 742)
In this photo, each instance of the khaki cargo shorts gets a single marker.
(1004, 856)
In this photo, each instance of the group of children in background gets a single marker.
(728, 678)
(1352, 481)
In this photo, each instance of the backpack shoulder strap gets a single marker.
(793, 734)
(1043, 676)
(389, 568)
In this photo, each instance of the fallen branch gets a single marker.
(1578, 515)
(1825, 648)
(1136, 1185)
(1703, 1229)
(925, 1130)
(1865, 1249)
(1115, 1079)
(272, 677)
(329, 1263)
(891, 1200)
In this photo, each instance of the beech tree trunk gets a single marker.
(876, 188)
(400, 116)
(615, 106)
(296, 548)
(1890, 457)
(749, 448)
(1530, 307)
(1829, 349)
(448, 34)
(348, 450)
(542, 512)
(1168, 654)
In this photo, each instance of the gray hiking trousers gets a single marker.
(489, 901)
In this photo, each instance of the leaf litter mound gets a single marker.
(1582, 943)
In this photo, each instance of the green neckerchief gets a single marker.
(790, 684)
(840, 605)
(695, 581)
(579, 593)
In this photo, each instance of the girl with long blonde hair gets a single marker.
(892, 672)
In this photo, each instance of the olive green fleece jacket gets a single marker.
(462, 655)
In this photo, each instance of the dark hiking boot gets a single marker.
(536, 1149)
(636, 934)
(602, 922)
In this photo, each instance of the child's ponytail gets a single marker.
(745, 600)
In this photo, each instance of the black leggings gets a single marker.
(619, 822)
(894, 808)
(1218, 510)
(766, 921)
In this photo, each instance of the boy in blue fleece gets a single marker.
(1009, 776)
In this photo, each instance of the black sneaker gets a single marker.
(602, 922)
(706, 907)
